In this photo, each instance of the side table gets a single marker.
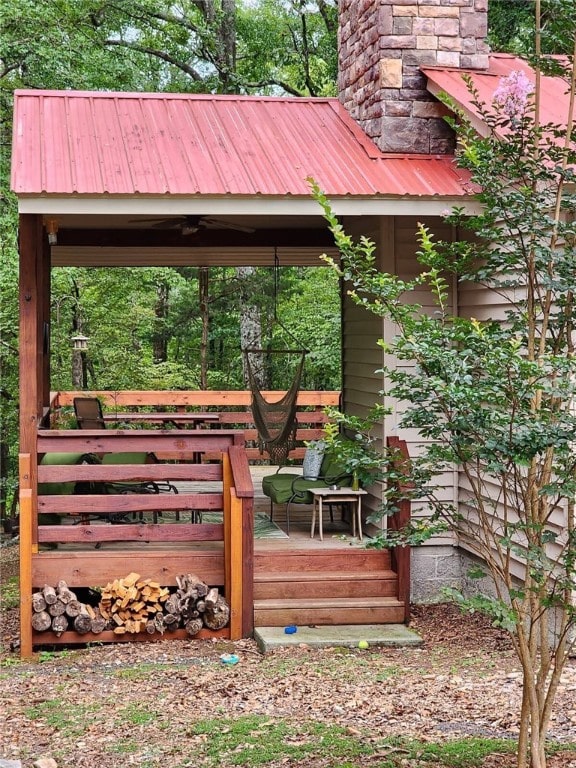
(321, 496)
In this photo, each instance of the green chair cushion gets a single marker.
(125, 458)
(283, 487)
(278, 487)
(64, 459)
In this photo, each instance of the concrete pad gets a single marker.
(348, 636)
(10, 763)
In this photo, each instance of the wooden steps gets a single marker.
(315, 587)
(313, 611)
(291, 586)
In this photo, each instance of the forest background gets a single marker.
(145, 325)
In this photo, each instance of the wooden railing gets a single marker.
(233, 496)
(232, 408)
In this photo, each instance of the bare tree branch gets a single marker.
(190, 71)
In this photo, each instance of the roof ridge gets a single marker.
(166, 95)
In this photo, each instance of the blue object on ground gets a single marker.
(229, 658)
(290, 629)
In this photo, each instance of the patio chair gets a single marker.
(88, 412)
(89, 415)
(292, 488)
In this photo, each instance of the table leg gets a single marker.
(313, 517)
(320, 514)
(359, 514)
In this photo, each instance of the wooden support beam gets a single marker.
(30, 351)
(44, 288)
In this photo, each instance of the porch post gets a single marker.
(30, 246)
(44, 287)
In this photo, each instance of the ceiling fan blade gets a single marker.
(148, 221)
(223, 224)
(168, 223)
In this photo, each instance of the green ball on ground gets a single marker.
(363, 645)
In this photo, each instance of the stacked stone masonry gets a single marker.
(384, 43)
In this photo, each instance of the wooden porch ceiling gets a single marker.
(95, 246)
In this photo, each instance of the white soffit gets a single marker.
(253, 206)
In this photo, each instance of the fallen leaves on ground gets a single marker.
(113, 706)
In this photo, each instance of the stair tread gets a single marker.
(326, 602)
(267, 576)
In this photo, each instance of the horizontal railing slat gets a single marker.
(136, 440)
(130, 532)
(195, 398)
(102, 504)
(58, 473)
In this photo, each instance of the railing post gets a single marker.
(401, 555)
(236, 570)
(27, 546)
(227, 482)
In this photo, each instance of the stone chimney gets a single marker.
(383, 44)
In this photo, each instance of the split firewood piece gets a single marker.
(57, 608)
(65, 595)
(171, 620)
(172, 605)
(97, 623)
(193, 626)
(131, 579)
(217, 613)
(59, 624)
(49, 594)
(73, 608)
(83, 622)
(38, 602)
(159, 623)
(41, 621)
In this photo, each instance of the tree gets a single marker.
(496, 399)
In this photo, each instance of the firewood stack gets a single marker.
(196, 605)
(133, 605)
(59, 609)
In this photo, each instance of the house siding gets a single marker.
(476, 301)
(396, 248)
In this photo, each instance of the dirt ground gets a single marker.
(79, 706)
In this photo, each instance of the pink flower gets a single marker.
(511, 96)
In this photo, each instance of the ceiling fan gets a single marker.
(190, 225)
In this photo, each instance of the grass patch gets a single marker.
(255, 741)
(137, 715)
(70, 721)
(9, 594)
(458, 753)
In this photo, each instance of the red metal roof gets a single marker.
(98, 143)
(554, 102)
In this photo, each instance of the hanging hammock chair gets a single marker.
(276, 421)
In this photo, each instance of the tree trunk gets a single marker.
(160, 340)
(250, 328)
(203, 300)
(228, 43)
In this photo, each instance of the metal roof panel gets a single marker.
(554, 96)
(100, 143)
